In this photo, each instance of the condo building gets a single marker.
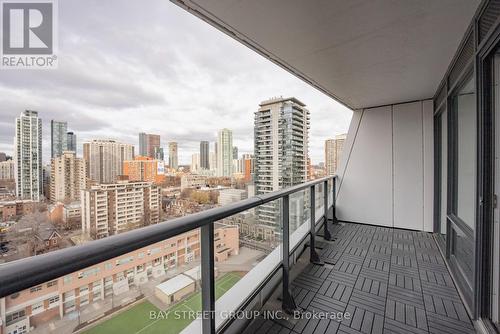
(224, 149)
(333, 151)
(67, 177)
(28, 156)
(195, 162)
(159, 154)
(205, 154)
(148, 144)
(281, 149)
(248, 166)
(212, 156)
(7, 170)
(228, 196)
(105, 159)
(71, 141)
(58, 138)
(144, 169)
(109, 209)
(173, 159)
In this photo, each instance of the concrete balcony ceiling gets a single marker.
(363, 53)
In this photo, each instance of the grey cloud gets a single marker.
(131, 66)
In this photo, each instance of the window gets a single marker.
(70, 295)
(51, 283)
(89, 272)
(13, 317)
(53, 300)
(463, 155)
(464, 108)
(36, 288)
(37, 308)
(124, 260)
(67, 279)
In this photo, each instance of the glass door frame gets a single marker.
(486, 178)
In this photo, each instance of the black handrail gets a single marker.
(28, 272)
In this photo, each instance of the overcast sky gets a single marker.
(134, 66)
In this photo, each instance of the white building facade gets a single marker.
(28, 156)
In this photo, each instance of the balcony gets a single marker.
(387, 280)
(378, 279)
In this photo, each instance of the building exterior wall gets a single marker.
(144, 169)
(228, 196)
(8, 211)
(385, 173)
(193, 181)
(195, 162)
(71, 141)
(248, 166)
(28, 156)
(205, 155)
(58, 138)
(333, 151)
(212, 156)
(224, 152)
(173, 158)
(68, 177)
(153, 143)
(115, 208)
(105, 159)
(281, 143)
(148, 144)
(177, 296)
(7, 170)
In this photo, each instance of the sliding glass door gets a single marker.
(463, 147)
(456, 179)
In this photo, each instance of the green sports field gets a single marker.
(137, 319)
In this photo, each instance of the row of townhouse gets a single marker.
(27, 309)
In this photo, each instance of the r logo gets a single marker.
(27, 28)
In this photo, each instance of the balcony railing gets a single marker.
(25, 273)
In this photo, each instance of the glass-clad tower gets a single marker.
(58, 138)
(281, 150)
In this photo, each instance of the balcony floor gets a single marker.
(389, 280)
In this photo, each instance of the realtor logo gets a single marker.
(28, 34)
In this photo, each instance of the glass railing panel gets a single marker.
(255, 239)
(130, 293)
(158, 288)
(330, 193)
(320, 200)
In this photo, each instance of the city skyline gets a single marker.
(186, 98)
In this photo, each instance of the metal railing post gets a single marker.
(288, 303)
(207, 279)
(334, 204)
(326, 231)
(314, 256)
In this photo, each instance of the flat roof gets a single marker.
(194, 273)
(175, 284)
